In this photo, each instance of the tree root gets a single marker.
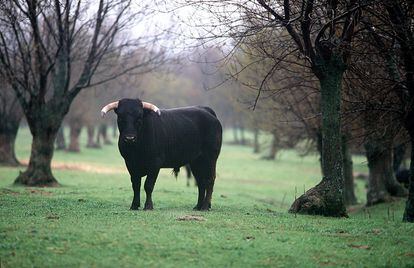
(323, 199)
(38, 179)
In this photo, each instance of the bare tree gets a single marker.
(320, 33)
(396, 24)
(48, 40)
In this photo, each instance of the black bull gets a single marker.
(149, 141)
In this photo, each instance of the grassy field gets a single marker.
(87, 222)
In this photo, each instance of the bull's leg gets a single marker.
(197, 169)
(149, 187)
(211, 176)
(201, 195)
(209, 192)
(136, 186)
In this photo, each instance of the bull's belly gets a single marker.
(179, 160)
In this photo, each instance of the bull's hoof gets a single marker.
(205, 208)
(135, 205)
(197, 207)
(148, 206)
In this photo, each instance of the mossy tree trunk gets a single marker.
(44, 121)
(349, 189)
(327, 197)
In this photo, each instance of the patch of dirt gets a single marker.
(327, 263)
(359, 246)
(84, 167)
(354, 209)
(52, 217)
(37, 191)
(269, 201)
(361, 176)
(56, 250)
(8, 191)
(340, 233)
(191, 218)
(376, 231)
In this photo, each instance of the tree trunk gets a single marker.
(75, 130)
(103, 132)
(349, 189)
(114, 129)
(235, 136)
(38, 172)
(327, 198)
(319, 148)
(242, 138)
(60, 139)
(256, 145)
(393, 187)
(273, 147)
(398, 156)
(381, 183)
(91, 135)
(7, 141)
(9, 126)
(409, 205)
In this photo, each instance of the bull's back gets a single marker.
(184, 134)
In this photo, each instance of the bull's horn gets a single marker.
(151, 106)
(108, 107)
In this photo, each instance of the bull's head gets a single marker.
(130, 116)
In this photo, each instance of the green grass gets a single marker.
(86, 222)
